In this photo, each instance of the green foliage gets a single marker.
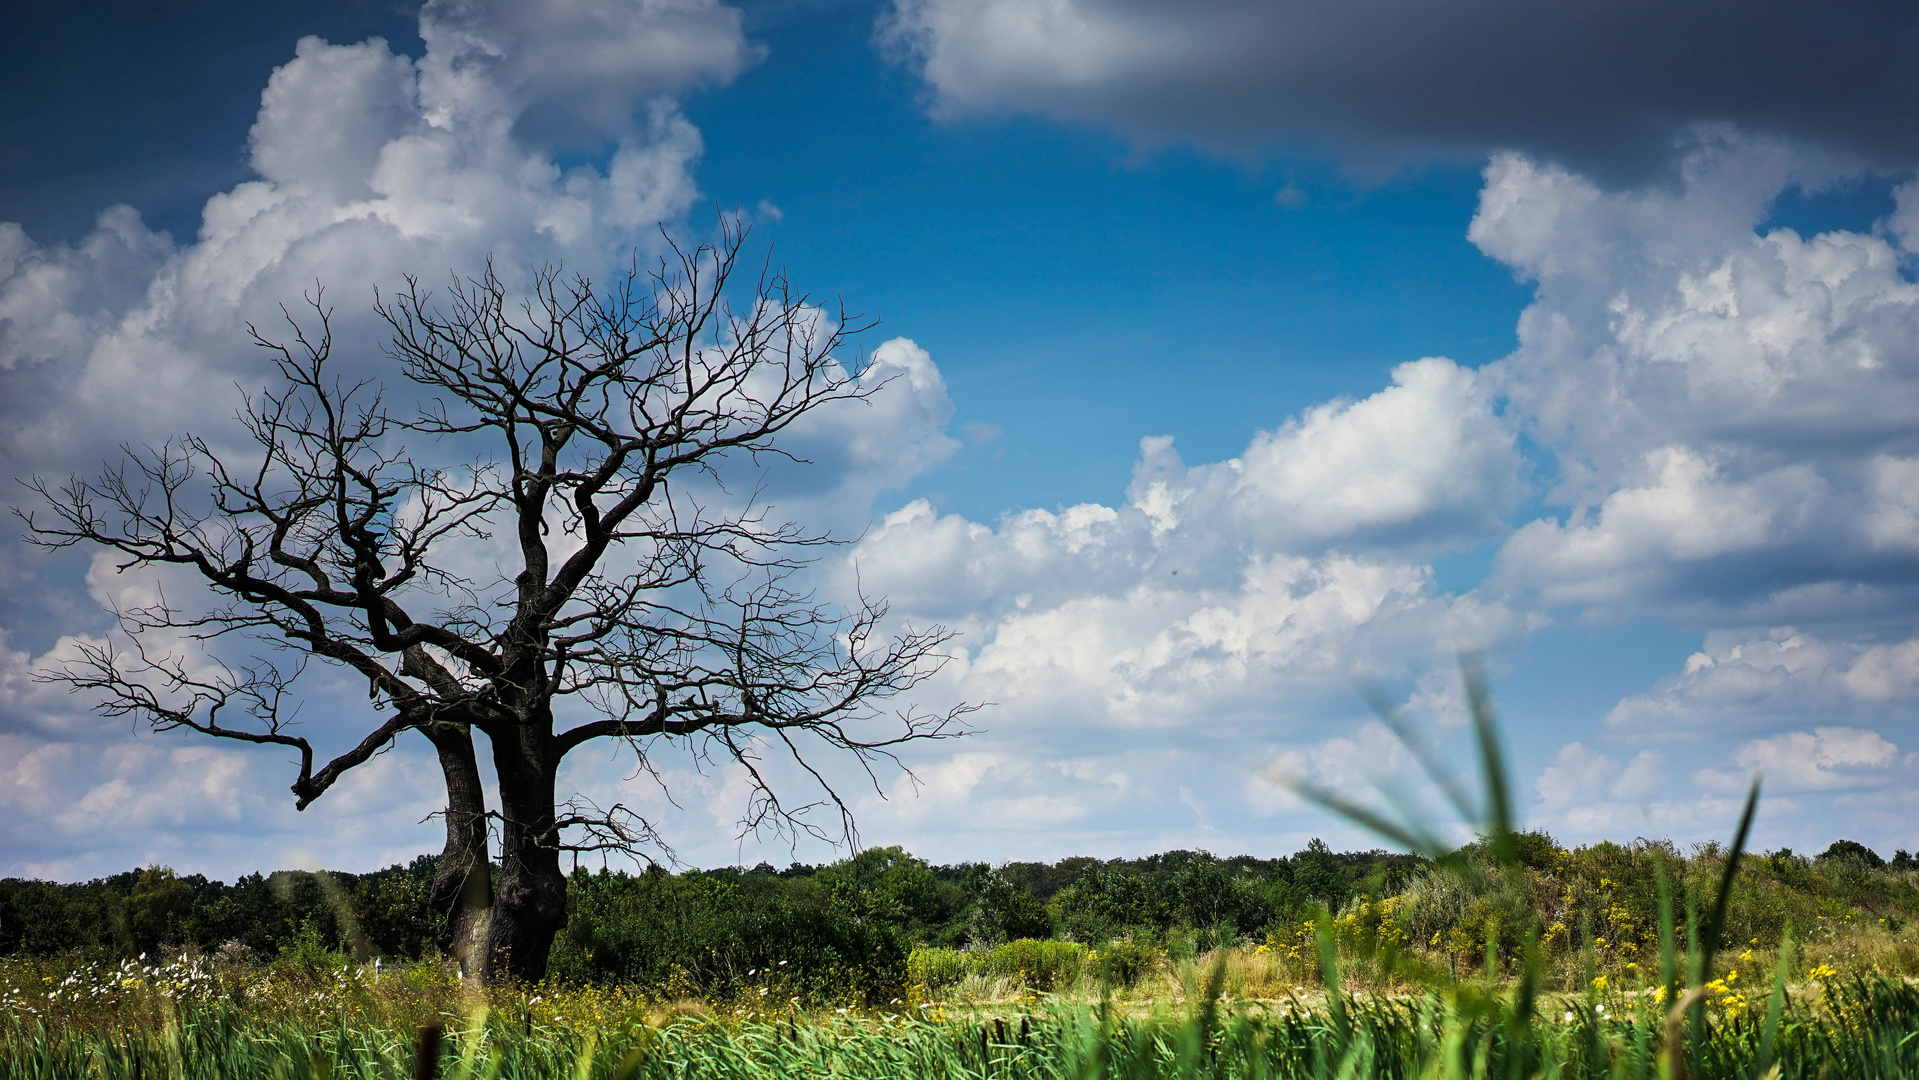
(1003, 911)
(1854, 852)
(307, 955)
(715, 934)
(371, 1030)
(1029, 964)
(1124, 962)
(847, 930)
(158, 907)
(147, 910)
(1037, 965)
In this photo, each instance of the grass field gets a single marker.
(1496, 981)
(201, 1017)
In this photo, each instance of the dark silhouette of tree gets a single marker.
(564, 442)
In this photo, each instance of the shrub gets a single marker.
(935, 968)
(1854, 852)
(1038, 965)
(1007, 912)
(715, 934)
(1125, 961)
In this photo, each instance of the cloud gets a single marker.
(579, 70)
(1421, 466)
(1787, 677)
(847, 452)
(1721, 422)
(1824, 759)
(1586, 795)
(371, 166)
(81, 794)
(1424, 461)
(1729, 415)
(1171, 648)
(1604, 87)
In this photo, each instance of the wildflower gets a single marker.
(1599, 982)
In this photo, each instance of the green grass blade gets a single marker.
(1775, 1005)
(1431, 762)
(1412, 837)
(1499, 822)
(1329, 971)
(1668, 958)
(1716, 920)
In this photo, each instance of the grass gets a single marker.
(1641, 990)
(188, 1020)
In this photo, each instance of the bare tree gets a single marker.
(569, 436)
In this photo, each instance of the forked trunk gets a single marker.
(463, 882)
(529, 905)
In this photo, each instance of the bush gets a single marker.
(717, 934)
(935, 968)
(1854, 852)
(1124, 961)
(1037, 965)
(1032, 964)
(307, 955)
(1006, 912)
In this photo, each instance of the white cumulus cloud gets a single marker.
(1743, 683)
(1822, 759)
(1729, 413)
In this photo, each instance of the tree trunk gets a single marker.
(529, 907)
(463, 882)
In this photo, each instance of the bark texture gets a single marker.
(463, 882)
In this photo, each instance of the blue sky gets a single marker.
(1489, 334)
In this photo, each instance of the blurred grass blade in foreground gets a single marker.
(1493, 819)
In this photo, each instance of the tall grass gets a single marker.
(1859, 1028)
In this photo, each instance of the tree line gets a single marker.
(852, 924)
(706, 926)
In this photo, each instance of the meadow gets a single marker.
(1553, 962)
(222, 1017)
(1513, 956)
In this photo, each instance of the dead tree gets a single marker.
(573, 441)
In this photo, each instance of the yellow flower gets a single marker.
(1599, 982)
